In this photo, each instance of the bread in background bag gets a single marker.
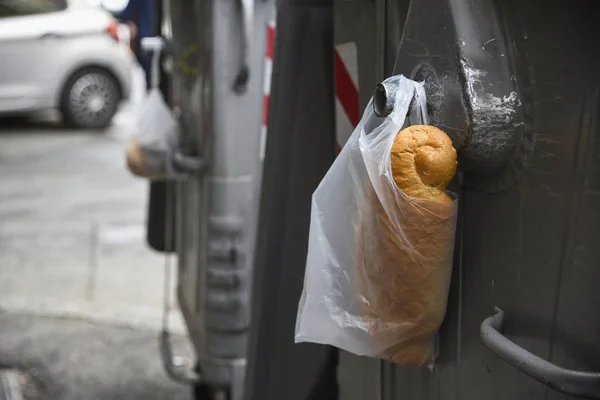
(404, 267)
(147, 153)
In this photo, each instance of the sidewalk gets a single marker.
(72, 228)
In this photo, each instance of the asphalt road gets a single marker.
(58, 187)
(66, 359)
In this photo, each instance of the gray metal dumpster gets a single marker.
(215, 52)
(515, 84)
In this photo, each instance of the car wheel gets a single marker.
(90, 99)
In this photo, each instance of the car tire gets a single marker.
(90, 99)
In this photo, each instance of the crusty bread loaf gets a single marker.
(404, 252)
(143, 164)
(423, 162)
(134, 157)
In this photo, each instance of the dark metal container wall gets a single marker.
(516, 85)
(300, 149)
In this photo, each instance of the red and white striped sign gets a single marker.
(267, 85)
(347, 107)
(346, 89)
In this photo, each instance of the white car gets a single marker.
(63, 54)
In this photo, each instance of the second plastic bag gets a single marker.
(148, 153)
(379, 261)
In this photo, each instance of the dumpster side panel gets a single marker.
(299, 150)
(529, 249)
(217, 211)
(570, 145)
(516, 245)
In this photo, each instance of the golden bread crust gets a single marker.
(404, 262)
(134, 157)
(423, 162)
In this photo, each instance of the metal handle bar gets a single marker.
(579, 384)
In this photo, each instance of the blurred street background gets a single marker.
(80, 291)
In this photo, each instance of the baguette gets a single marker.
(404, 252)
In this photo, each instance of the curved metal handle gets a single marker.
(583, 385)
(175, 371)
(186, 164)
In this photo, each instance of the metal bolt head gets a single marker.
(383, 99)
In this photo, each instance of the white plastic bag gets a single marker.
(361, 224)
(157, 132)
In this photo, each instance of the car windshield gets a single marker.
(14, 8)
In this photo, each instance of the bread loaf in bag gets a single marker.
(405, 242)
